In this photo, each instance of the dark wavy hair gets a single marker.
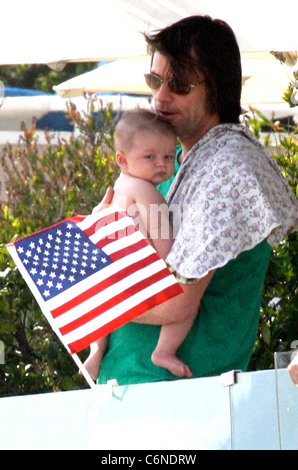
(200, 43)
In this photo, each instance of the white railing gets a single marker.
(246, 411)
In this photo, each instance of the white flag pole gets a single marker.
(12, 250)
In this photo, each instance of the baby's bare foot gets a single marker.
(172, 363)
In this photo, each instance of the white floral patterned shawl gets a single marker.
(232, 196)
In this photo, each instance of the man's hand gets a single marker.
(106, 201)
(293, 370)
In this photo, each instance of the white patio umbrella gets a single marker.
(264, 80)
(57, 32)
(263, 90)
(120, 76)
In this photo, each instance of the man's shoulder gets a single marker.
(229, 145)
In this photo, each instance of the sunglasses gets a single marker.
(175, 85)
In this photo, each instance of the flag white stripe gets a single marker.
(119, 309)
(99, 276)
(108, 293)
(111, 229)
(93, 218)
(124, 242)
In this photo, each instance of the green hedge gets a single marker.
(67, 177)
(46, 184)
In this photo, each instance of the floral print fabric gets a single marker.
(228, 196)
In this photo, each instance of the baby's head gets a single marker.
(145, 146)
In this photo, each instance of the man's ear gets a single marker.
(121, 160)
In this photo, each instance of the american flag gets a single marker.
(92, 274)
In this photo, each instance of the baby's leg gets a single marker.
(170, 338)
(93, 361)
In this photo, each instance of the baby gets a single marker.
(145, 152)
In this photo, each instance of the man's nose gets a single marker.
(163, 93)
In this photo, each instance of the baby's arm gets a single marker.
(151, 214)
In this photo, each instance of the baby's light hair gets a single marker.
(138, 120)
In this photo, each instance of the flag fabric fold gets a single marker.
(91, 274)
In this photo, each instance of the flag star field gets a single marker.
(60, 258)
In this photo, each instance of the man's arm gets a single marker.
(177, 308)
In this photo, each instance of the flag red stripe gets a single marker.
(128, 250)
(116, 277)
(125, 294)
(147, 304)
(76, 219)
(103, 222)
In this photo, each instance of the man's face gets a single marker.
(187, 113)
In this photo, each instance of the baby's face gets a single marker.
(152, 156)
